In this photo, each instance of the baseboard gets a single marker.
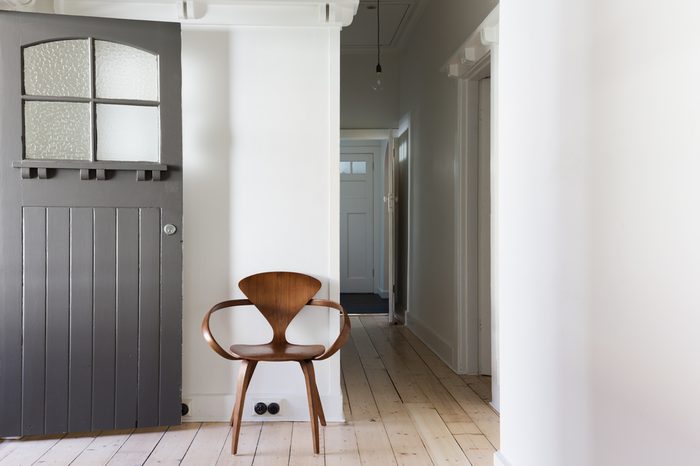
(500, 460)
(384, 294)
(432, 340)
(217, 408)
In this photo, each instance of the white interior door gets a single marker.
(356, 223)
(484, 225)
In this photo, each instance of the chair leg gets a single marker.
(245, 373)
(313, 416)
(317, 397)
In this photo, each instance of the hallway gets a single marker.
(403, 405)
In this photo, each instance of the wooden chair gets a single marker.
(279, 296)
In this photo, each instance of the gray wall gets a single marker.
(360, 106)
(428, 105)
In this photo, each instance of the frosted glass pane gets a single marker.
(359, 168)
(345, 168)
(126, 132)
(59, 68)
(124, 72)
(57, 130)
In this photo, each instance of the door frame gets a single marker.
(379, 135)
(467, 65)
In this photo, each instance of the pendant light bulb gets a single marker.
(378, 82)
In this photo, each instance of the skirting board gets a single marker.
(217, 408)
(499, 460)
(442, 348)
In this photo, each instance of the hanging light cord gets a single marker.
(379, 66)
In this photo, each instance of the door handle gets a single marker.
(169, 229)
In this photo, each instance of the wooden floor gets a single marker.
(403, 405)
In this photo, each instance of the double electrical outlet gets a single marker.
(261, 408)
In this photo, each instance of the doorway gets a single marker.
(362, 229)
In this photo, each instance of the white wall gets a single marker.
(429, 109)
(361, 107)
(261, 145)
(599, 256)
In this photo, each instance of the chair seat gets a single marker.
(272, 352)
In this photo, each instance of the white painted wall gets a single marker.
(599, 256)
(429, 109)
(361, 107)
(260, 176)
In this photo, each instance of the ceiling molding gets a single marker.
(300, 13)
(401, 20)
(473, 51)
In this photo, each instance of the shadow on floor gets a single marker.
(364, 303)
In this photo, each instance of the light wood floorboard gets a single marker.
(403, 406)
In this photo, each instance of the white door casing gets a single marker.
(356, 223)
(484, 226)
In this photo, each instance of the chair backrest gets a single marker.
(279, 296)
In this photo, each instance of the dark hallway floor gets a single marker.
(364, 303)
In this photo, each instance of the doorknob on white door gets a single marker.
(169, 229)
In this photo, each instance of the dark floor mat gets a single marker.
(364, 303)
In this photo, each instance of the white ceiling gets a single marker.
(396, 17)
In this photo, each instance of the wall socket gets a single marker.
(187, 402)
(267, 401)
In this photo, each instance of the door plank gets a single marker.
(34, 319)
(105, 288)
(138, 447)
(67, 449)
(171, 323)
(127, 316)
(477, 448)
(149, 317)
(174, 445)
(247, 445)
(438, 440)
(102, 448)
(80, 379)
(274, 445)
(207, 445)
(57, 317)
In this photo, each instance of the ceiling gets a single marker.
(396, 17)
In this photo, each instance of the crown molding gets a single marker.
(283, 13)
(477, 46)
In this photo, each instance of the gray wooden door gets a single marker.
(90, 176)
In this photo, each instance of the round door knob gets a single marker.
(169, 229)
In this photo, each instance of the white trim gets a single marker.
(301, 13)
(334, 377)
(478, 51)
(218, 407)
(432, 340)
(477, 45)
(500, 460)
(366, 134)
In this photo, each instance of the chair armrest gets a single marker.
(344, 330)
(206, 331)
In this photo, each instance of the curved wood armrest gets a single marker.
(213, 344)
(344, 330)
